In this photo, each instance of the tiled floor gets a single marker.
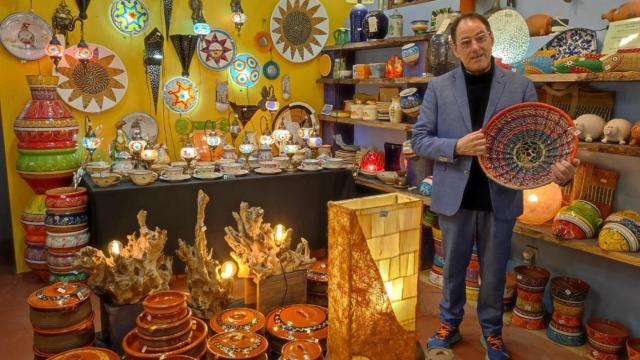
(16, 335)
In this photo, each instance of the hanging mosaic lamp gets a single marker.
(167, 7)
(185, 46)
(245, 70)
(153, 55)
(130, 17)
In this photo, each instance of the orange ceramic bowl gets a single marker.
(195, 347)
(87, 353)
(165, 302)
(237, 345)
(238, 319)
(54, 341)
(146, 326)
(168, 342)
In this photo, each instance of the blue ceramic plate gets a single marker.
(578, 41)
(271, 70)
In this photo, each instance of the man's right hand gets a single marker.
(472, 144)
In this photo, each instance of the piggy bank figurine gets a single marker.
(590, 127)
(627, 10)
(617, 130)
(635, 134)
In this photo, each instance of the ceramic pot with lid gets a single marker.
(59, 305)
(238, 319)
(301, 350)
(165, 302)
(56, 340)
(297, 322)
(237, 345)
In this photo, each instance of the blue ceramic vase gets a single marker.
(356, 17)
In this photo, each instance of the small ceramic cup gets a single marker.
(231, 168)
(269, 164)
(334, 163)
(173, 171)
(97, 166)
(205, 169)
(283, 161)
(182, 164)
(310, 163)
(105, 179)
(142, 177)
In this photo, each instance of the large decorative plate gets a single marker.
(523, 141)
(97, 86)
(216, 50)
(148, 125)
(299, 29)
(271, 70)
(180, 95)
(245, 70)
(438, 16)
(578, 41)
(130, 17)
(511, 36)
(25, 35)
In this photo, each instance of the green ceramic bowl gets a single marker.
(47, 160)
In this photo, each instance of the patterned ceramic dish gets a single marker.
(301, 349)
(59, 305)
(238, 319)
(569, 289)
(65, 220)
(531, 278)
(565, 338)
(237, 345)
(577, 41)
(297, 322)
(607, 335)
(511, 35)
(621, 232)
(581, 214)
(66, 197)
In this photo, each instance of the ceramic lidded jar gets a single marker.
(237, 345)
(396, 24)
(237, 319)
(59, 305)
(297, 322)
(301, 349)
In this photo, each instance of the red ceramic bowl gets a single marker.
(41, 182)
(49, 135)
(167, 343)
(531, 277)
(569, 289)
(600, 355)
(147, 328)
(47, 145)
(66, 197)
(607, 332)
(520, 319)
(633, 348)
(34, 228)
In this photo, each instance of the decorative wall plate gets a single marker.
(324, 64)
(216, 50)
(130, 17)
(25, 35)
(511, 36)
(180, 95)
(438, 16)
(523, 141)
(97, 86)
(271, 70)
(298, 113)
(578, 41)
(148, 125)
(299, 29)
(245, 70)
(262, 41)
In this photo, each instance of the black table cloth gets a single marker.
(296, 200)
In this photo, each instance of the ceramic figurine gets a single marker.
(627, 10)
(539, 24)
(635, 134)
(617, 130)
(590, 127)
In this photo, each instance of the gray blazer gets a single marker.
(444, 118)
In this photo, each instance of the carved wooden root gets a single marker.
(254, 244)
(139, 269)
(209, 292)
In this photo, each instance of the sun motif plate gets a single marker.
(578, 41)
(245, 70)
(523, 141)
(148, 125)
(216, 50)
(181, 95)
(299, 29)
(438, 16)
(25, 35)
(511, 36)
(97, 86)
(130, 17)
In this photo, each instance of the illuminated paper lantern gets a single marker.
(374, 258)
(541, 204)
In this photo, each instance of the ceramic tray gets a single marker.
(216, 50)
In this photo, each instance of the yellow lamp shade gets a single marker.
(541, 204)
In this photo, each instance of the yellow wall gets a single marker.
(14, 91)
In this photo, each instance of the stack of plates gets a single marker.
(349, 157)
(383, 110)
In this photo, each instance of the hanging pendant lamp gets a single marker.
(185, 46)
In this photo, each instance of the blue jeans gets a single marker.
(493, 242)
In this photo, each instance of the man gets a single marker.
(472, 207)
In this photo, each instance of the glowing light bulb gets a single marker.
(229, 269)
(532, 198)
(115, 247)
(280, 234)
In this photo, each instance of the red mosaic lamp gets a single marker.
(372, 161)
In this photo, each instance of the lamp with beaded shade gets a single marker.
(356, 18)
(541, 204)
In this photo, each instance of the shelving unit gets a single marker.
(625, 150)
(407, 3)
(371, 123)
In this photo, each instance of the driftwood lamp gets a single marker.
(374, 256)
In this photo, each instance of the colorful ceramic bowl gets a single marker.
(238, 319)
(568, 308)
(37, 138)
(581, 214)
(66, 197)
(530, 306)
(410, 102)
(563, 337)
(47, 160)
(65, 220)
(526, 320)
(35, 253)
(621, 232)
(607, 335)
(43, 181)
(420, 26)
(410, 54)
(569, 289)
(600, 355)
(565, 320)
(531, 278)
(530, 296)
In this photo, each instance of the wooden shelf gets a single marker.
(595, 77)
(380, 186)
(626, 150)
(406, 3)
(383, 81)
(371, 123)
(589, 246)
(378, 44)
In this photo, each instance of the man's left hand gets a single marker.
(563, 171)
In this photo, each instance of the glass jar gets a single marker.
(441, 57)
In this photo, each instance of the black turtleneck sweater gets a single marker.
(476, 194)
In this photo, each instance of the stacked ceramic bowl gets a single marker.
(607, 339)
(529, 312)
(569, 295)
(580, 220)
(621, 232)
(67, 231)
(472, 279)
(46, 132)
(318, 283)
(435, 275)
(35, 236)
(164, 328)
(87, 353)
(297, 322)
(301, 350)
(238, 319)
(62, 319)
(237, 345)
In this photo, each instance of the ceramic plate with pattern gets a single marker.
(511, 36)
(438, 16)
(523, 141)
(181, 95)
(25, 35)
(97, 86)
(130, 17)
(216, 50)
(271, 70)
(148, 125)
(299, 29)
(245, 70)
(578, 41)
